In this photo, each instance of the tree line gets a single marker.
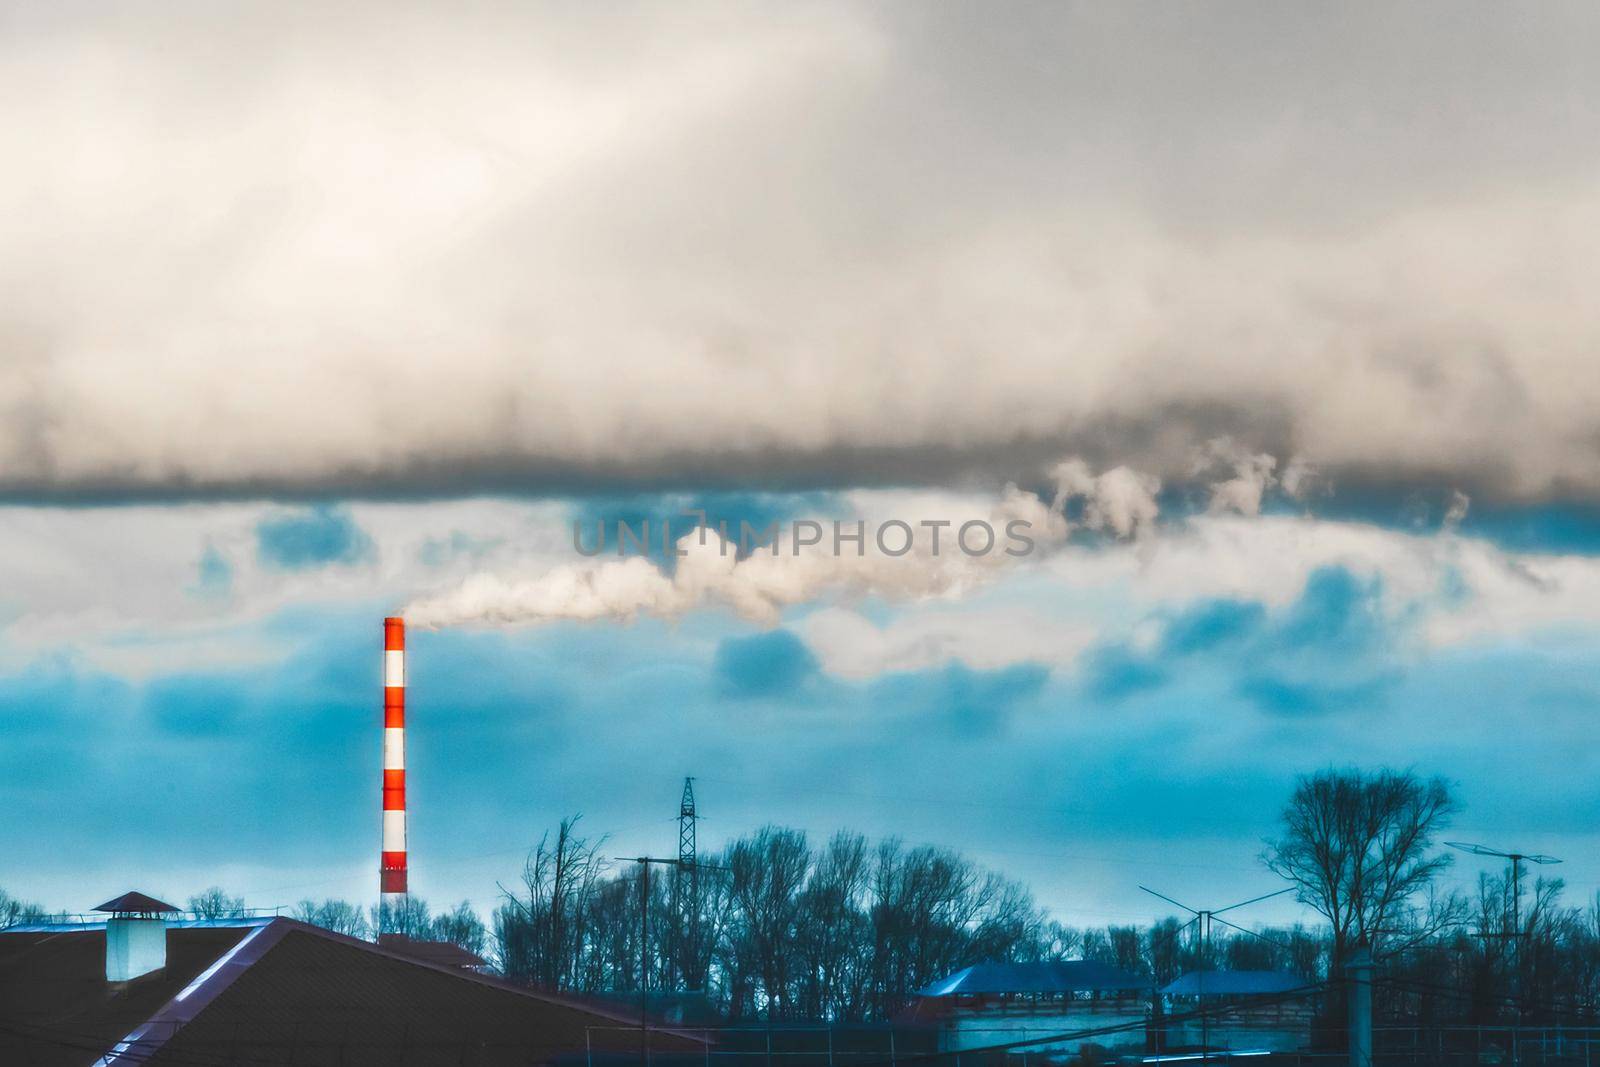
(775, 926)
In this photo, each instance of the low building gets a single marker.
(1238, 1012)
(143, 988)
(1005, 1003)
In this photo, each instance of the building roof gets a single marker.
(1233, 983)
(673, 1008)
(138, 903)
(444, 953)
(53, 990)
(264, 991)
(1061, 976)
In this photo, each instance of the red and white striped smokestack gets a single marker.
(392, 872)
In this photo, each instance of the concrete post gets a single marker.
(1358, 971)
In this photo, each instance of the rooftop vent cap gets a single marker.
(136, 936)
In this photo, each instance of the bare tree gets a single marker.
(14, 912)
(1358, 848)
(833, 931)
(340, 916)
(767, 871)
(216, 904)
(461, 926)
(409, 918)
(540, 938)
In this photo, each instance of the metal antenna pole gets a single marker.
(1516, 920)
(1203, 928)
(1516, 859)
(644, 962)
(1202, 920)
(644, 863)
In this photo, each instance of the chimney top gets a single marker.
(136, 936)
(136, 904)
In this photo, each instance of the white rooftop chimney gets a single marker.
(136, 936)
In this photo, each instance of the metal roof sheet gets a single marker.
(138, 903)
(1233, 983)
(1059, 976)
(443, 953)
(282, 985)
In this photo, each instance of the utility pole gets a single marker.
(1202, 925)
(645, 863)
(1515, 934)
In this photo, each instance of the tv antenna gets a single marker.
(645, 863)
(1202, 920)
(1517, 860)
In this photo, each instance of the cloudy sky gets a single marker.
(1274, 322)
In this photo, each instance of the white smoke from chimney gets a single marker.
(1252, 476)
(1300, 479)
(760, 586)
(1121, 500)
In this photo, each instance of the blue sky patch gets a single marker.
(214, 574)
(311, 537)
(762, 665)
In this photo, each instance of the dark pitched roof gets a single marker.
(1233, 983)
(1061, 976)
(136, 902)
(691, 1008)
(443, 953)
(53, 990)
(270, 990)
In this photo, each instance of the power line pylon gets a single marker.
(688, 902)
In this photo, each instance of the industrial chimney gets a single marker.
(136, 936)
(392, 869)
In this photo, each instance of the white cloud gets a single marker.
(849, 645)
(1437, 591)
(121, 586)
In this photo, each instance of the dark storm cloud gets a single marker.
(538, 248)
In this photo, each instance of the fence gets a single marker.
(788, 1045)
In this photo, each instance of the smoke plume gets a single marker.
(927, 557)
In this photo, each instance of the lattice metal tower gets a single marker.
(688, 875)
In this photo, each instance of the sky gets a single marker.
(1271, 323)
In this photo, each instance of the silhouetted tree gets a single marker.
(461, 927)
(213, 903)
(14, 912)
(544, 936)
(1358, 848)
(340, 916)
(409, 917)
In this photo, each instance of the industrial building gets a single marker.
(1243, 1011)
(998, 1003)
(1231, 1012)
(144, 988)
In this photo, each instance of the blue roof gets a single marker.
(1062, 976)
(1234, 983)
(61, 926)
